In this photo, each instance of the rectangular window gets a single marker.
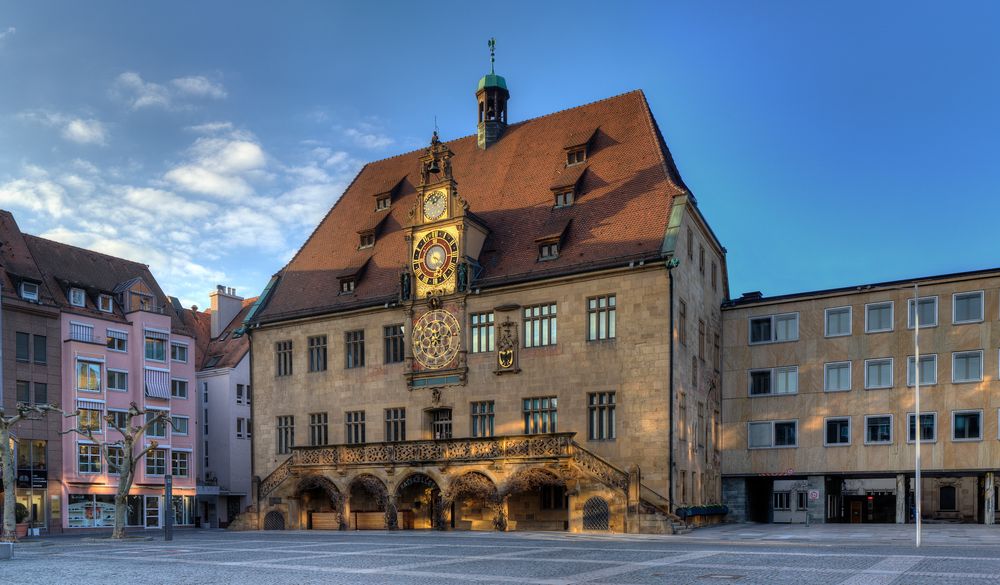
(967, 425)
(878, 429)
(318, 429)
(117, 340)
(105, 303)
(838, 321)
(715, 276)
(239, 393)
(156, 348)
(553, 497)
(690, 244)
(120, 419)
(701, 339)
(395, 424)
(394, 344)
(564, 198)
(967, 307)
(283, 358)
(286, 434)
(601, 313)
(317, 353)
(540, 325)
(41, 349)
(88, 376)
(783, 380)
(41, 393)
(838, 431)
(928, 307)
(576, 156)
(24, 392)
(23, 352)
(29, 291)
(801, 501)
(482, 418)
(178, 352)
(928, 370)
(81, 332)
(180, 425)
(878, 373)
(441, 423)
(158, 429)
(767, 434)
(601, 420)
(782, 500)
(77, 298)
(878, 317)
(116, 459)
(355, 426)
(701, 259)
(967, 366)
(118, 380)
(367, 241)
(540, 415)
(383, 203)
(241, 428)
(774, 328)
(354, 349)
(837, 376)
(928, 427)
(179, 388)
(548, 251)
(88, 458)
(180, 463)
(156, 462)
(481, 332)
(682, 321)
(717, 346)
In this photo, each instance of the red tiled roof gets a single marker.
(623, 213)
(567, 176)
(230, 350)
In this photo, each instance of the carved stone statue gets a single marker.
(404, 286)
(463, 277)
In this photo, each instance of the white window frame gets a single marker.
(773, 372)
(910, 360)
(187, 352)
(892, 317)
(111, 427)
(982, 422)
(174, 431)
(982, 307)
(892, 373)
(30, 296)
(122, 331)
(75, 292)
(772, 423)
(826, 321)
(167, 428)
(912, 416)
(955, 354)
(107, 372)
(850, 376)
(110, 303)
(850, 431)
(187, 388)
(774, 330)
(909, 303)
(892, 430)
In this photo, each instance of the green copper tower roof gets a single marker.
(492, 80)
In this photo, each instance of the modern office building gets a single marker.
(518, 329)
(819, 402)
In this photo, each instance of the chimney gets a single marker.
(225, 306)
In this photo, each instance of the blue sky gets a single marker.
(828, 144)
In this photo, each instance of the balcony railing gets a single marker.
(84, 333)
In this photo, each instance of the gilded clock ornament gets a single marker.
(436, 339)
(435, 257)
(435, 204)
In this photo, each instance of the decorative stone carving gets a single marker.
(507, 348)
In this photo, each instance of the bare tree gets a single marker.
(7, 461)
(125, 459)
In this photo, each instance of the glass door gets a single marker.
(152, 511)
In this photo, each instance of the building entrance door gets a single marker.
(856, 512)
(152, 511)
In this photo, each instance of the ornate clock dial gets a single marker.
(436, 337)
(434, 205)
(435, 257)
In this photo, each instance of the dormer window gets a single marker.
(548, 251)
(383, 203)
(29, 291)
(576, 156)
(77, 298)
(564, 198)
(367, 240)
(347, 286)
(105, 303)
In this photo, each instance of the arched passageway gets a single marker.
(418, 502)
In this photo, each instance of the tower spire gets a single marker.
(493, 46)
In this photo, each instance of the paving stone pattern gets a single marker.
(746, 555)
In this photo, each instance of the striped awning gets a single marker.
(117, 334)
(89, 405)
(158, 384)
(153, 334)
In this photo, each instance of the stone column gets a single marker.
(391, 517)
(989, 516)
(817, 508)
(901, 494)
(634, 496)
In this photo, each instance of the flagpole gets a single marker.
(918, 431)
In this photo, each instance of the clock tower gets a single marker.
(444, 244)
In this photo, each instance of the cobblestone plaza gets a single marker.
(728, 554)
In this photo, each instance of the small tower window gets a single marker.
(383, 203)
(367, 240)
(29, 291)
(576, 156)
(548, 251)
(76, 297)
(347, 286)
(564, 198)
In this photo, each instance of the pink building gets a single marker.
(122, 342)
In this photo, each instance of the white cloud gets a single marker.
(138, 93)
(10, 31)
(210, 127)
(37, 195)
(198, 179)
(165, 203)
(369, 140)
(85, 131)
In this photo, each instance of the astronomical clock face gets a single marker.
(435, 258)
(435, 204)
(436, 339)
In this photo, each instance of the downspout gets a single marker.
(671, 264)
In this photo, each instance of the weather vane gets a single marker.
(493, 46)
